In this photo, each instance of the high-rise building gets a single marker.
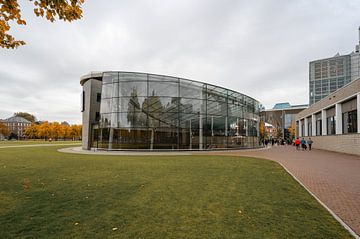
(329, 74)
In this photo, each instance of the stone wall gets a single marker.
(345, 143)
(91, 87)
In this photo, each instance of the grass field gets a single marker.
(47, 194)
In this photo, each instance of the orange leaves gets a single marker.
(54, 130)
(66, 10)
(62, 9)
(9, 11)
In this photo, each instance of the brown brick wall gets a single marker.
(346, 143)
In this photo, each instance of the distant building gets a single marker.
(65, 123)
(328, 75)
(282, 119)
(16, 126)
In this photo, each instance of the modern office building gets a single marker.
(16, 126)
(134, 111)
(333, 123)
(328, 75)
(282, 120)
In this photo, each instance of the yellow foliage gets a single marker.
(53, 130)
(10, 11)
(4, 130)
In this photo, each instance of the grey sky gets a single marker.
(259, 48)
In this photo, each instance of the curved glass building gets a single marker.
(128, 110)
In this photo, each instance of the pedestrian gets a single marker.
(297, 143)
(266, 143)
(309, 142)
(303, 144)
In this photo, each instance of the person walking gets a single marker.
(303, 144)
(297, 143)
(309, 142)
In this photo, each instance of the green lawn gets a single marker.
(47, 194)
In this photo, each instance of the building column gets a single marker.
(323, 123)
(300, 128)
(358, 112)
(338, 119)
(313, 125)
(306, 130)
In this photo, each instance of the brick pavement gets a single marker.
(332, 177)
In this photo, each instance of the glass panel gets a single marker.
(133, 88)
(189, 89)
(129, 76)
(162, 88)
(216, 108)
(105, 106)
(110, 77)
(216, 93)
(191, 105)
(132, 104)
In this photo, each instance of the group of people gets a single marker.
(303, 143)
(272, 142)
(299, 143)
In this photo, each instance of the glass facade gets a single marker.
(330, 125)
(146, 111)
(350, 122)
(328, 75)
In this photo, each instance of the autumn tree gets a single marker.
(54, 130)
(75, 131)
(4, 130)
(32, 131)
(44, 130)
(262, 129)
(292, 130)
(10, 12)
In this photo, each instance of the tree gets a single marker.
(262, 129)
(44, 130)
(56, 130)
(292, 130)
(75, 131)
(66, 10)
(4, 130)
(26, 115)
(32, 131)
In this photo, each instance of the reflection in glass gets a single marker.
(145, 111)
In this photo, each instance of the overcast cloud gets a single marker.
(259, 48)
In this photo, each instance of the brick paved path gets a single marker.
(333, 177)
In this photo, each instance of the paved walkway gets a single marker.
(332, 177)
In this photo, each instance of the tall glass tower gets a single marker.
(329, 74)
